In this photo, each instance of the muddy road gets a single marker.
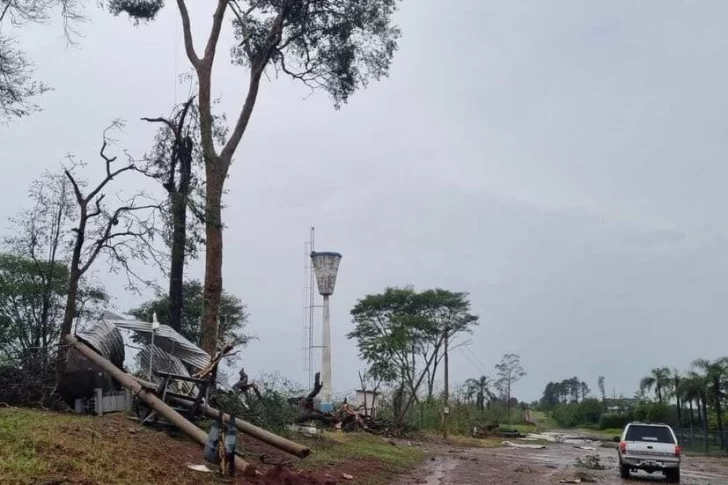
(518, 466)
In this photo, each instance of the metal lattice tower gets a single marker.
(309, 304)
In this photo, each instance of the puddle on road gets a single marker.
(439, 470)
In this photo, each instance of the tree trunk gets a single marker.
(508, 401)
(412, 397)
(213, 258)
(74, 277)
(432, 375)
(179, 198)
(705, 422)
(700, 412)
(68, 317)
(679, 411)
(719, 411)
(690, 404)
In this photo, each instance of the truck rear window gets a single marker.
(655, 434)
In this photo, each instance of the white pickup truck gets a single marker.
(651, 448)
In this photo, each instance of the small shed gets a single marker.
(367, 401)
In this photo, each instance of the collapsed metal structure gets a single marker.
(95, 365)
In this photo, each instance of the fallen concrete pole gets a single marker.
(149, 397)
(251, 430)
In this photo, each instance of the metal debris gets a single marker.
(166, 338)
(105, 338)
(519, 445)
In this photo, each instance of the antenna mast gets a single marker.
(309, 303)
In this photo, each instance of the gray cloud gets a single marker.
(561, 161)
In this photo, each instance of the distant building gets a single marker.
(367, 401)
(620, 405)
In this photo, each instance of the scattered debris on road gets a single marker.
(521, 445)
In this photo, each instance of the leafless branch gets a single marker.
(187, 32)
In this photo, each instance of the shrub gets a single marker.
(273, 412)
(614, 420)
(28, 387)
(653, 412)
(585, 413)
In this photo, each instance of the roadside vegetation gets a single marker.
(694, 402)
(372, 460)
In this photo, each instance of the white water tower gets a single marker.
(326, 266)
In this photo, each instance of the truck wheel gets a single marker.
(673, 476)
(624, 471)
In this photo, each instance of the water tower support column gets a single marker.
(326, 393)
(326, 267)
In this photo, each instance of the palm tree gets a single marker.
(714, 373)
(659, 378)
(480, 388)
(691, 390)
(695, 387)
(675, 379)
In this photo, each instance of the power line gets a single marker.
(476, 358)
(472, 362)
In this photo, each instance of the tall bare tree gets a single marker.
(123, 231)
(509, 371)
(334, 45)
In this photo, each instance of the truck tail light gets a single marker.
(678, 451)
(623, 447)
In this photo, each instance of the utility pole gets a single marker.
(446, 398)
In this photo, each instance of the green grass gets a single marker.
(521, 428)
(38, 447)
(605, 434)
(543, 421)
(359, 452)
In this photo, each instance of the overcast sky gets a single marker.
(563, 162)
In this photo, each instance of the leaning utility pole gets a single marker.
(446, 398)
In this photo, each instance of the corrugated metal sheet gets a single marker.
(170, 353)
(166, 338)
(105, 339)
(164, 362)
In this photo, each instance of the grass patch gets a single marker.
(372, 460)
(37, 446)
(605, 434)
(521, 428)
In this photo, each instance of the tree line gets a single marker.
(697, 395)
(691, 400)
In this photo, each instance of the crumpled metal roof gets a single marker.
(165, 362)
(166, 338)
(105, 338)
(170, 353)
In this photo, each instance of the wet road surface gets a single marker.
(553, 465)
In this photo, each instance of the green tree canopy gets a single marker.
(26, 286)
(233, 314)
(400, 332)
